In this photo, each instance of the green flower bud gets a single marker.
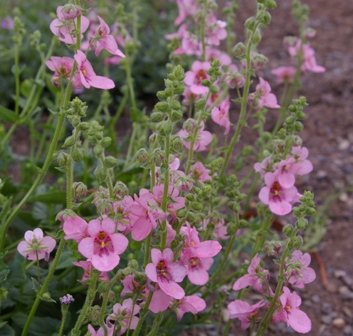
(239, 50)
(100, 173)
(175, 105)
(98, 150)
(161, 95)
(197, 206)
(250, 23)
(162, 107)
(106, 141)
(110, 161)
(298, 126)
(80, 189)
(200, 104)
(213, 89)
(120, 189)
(69, 142)
(179, 73)
(271, 4)
(62, 159)
(176, 116)
(133, 264)
(142, 155)
(288, 230)
(256, 37)
(177, 144)
(302, 223)
(77, 155)
(267, 18)
(156, 117)
(231, 229)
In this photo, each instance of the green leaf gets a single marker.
(3, 275)
(50, 197)
(8, 115)
(40, 326)
(6, 330)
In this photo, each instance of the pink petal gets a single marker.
(171, 288)
(120, 242)
(105, 263)
(156, 256)
(299, 321)
(198, 276)
(100, 82)
(177, 271)
(85, 247)
(208, 249)
(160, 301)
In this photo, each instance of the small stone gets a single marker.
(326, 308)
(348, 312)
(321, 174)
(339, 273)
(315, 298)
(343, 289)
(348, 330)
(344, 144)
(338, 322)
(348, 280)
(326, 319)
(331, 288)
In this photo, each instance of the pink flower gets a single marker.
(254, 278)
(199, 173)
(160, 300)
(62, 27)
(284, 74)
(234, 78)
(197, 74)
(264, 167)
(276, 196)
(75, 228)
(121, 209)
(62, 67)
(189, 46)
(301, 274)
(203, 138)
(291, 313)
(215, 31)
(124, 313)
(303, 166)
(131, 286)
(186, 8)
(103, 40)
(166, 273)
(265, 98)
(221, 115)
(36, 246)
(144, 213)
(189, 304)
(87, 267)
(110, 327)
(244, 312)
(212, 54)
(103, 246)
(7, 23)
(88, 76)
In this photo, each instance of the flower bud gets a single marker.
(239, 50)
(80, 190)
(142, 155)
(175, 105)
(161, 95)
(106, 141)
(156, 117)
(110, 161)
(77, 155)
(69, 141)
(250, 23)
(162, 107)
(62, 159)
(120, 189)
(196, 206)
(100, 173)
(98, 150)
(177, 144)
(176, 116)
(288, 230)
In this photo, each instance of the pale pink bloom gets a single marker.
(195, 77)
(244, 312)
(100, 332)
(189, 304)
(181, 33)
(197, 256)
(264, 167)
(216, 98)
(121, 209)
(132, 286)
(215, 31)
(103, 245)
(144, 213)
(126, 311)
(103, 40)
(220, 115)
(199, 173)
(300, 154)
(265, 98)
(69, 12)
(212, 54)
(160, 301)
(186, 8)
(120, 33)
(7, 23)
(62, 67)
(301, 274)
(203, 138)
(284, 74)
(255, 277)
(189, 97)
(88, 76)
(86, 265)
(233, 77)
(189, 46)
(220, 228)
(75, 228)
(36, 246)
(174, 203)
(290, 312)
(278, 198)
(166, 272)
(309, 63)
(63, 28)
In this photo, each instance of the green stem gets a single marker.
(44, 287)
(156, 323)
(88, 302)
(143, 315)
(63, 319)
(261, 236)
(17, 77)
(244, 104)
(226, 329)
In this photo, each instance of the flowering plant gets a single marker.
(159, 226)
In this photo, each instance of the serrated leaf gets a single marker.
(3, 275)
(35, 285)
(6, 330)
(8, 115)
